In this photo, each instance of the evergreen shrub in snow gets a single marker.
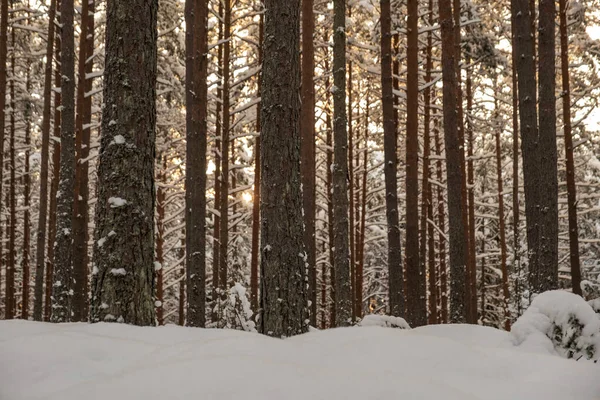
(385, 321)
(561, 321)
(234, 310)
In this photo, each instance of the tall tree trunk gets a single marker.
(123, 285)
(217, 174)
(308, 151)
(544, 276)
(571, 189)
(442, 228)
(26, 203)
(329, 188)
(361, 246)
(426, 206)
(82, 151)
(396, 279)
(458, 245)
(224, 202)
(501, 221)
(515, 171)
(161, 196)
(54, 183)
(351, 189)
(416, 309)
(471, 196)
(63, 268)
(3, 72)
(11, 300)
(43, 206)
(340, 169)
(283, 292)
(196, 43)
(256, 195)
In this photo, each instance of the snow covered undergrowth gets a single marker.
(114, 362)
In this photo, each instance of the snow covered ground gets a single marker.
(119, 362)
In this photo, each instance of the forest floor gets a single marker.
(121, 362)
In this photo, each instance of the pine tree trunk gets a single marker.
(351, 189)
(43, 206)
(396, 279)
(329, 188)
(82, 151)
(26, 204)
(283, 290)
(340, 169)
(54, 183)
(571, 188)
(458, 246)
(471, 196)
(224, 201)
(416, 309)
(256, 195)
(123, 284)
(11, 301)
(3, 72)
(443, 272)
(308, 151)
(63, 269)
(545, 276)
(196, 14)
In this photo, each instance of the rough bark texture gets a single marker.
(196, 14)
(63, 268)
(416, 309)
(396, 280)
(455, 177)
(571, 188)
(283, 286)
(224, 178)
(256, 194)
(43, 206)
(544, 276)
(3, 59)
(340, 169)
(26, 204)
(308, 151)
(441, 220)
(82, 151)
(123, 276)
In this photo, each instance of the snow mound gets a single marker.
(595, 305)
(559, 322)
(384, 321)
(121, 362)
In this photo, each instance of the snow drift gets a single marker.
(120, 362)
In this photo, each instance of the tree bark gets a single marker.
(283, 286)
(396, 279)
(43, 206)
(571, 188)
(458, 245)
(416, 309)
(340, 169)
(123, 283)
(82, 151)
(308, 151)
(196, 14)
(3, 72)
(256, 195)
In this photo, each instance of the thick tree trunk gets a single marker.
(308, 151)
(396, 279)
(63, 269)
(256, 195)
(571, 188)
(458, 245)
(82, 151)
(43, 206)
(340, 169)
(416, 308)
(544, 276)
(54, 184)
(196, 14)
(123, 284)
(283, 286)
